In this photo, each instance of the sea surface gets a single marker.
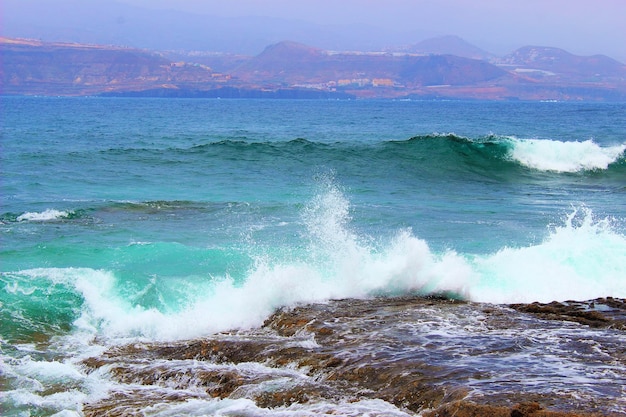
(158, 221)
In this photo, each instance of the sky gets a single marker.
(583, 27)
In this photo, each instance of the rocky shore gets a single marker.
(429, 356)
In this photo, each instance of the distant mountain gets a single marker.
(290, 62)
(35, 67)
(448, 45)
(287, 61)
(295, 70)
(545, 62)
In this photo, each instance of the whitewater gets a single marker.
(172, 221)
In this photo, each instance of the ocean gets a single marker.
(134, 225)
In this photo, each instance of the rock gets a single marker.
(602, 312)
(433, 356)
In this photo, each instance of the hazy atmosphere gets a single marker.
(246, 26)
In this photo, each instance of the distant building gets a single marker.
(382, 82)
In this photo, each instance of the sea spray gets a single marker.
(337, 263)
(582, 259)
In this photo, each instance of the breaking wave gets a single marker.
(47, 215)
(556, 156)
(583, 258)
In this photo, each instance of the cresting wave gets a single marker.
(551, 155)
(537, 154)
(488, 153)
(582, 259)
(47, 215)
(88, 208)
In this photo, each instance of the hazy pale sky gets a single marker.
(583, 27)
(580, 26)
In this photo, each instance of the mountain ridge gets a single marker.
(558, 60)
(296, 63)
(448, 45)
(299, 70)
(116, 22)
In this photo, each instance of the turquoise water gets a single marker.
(151, 219)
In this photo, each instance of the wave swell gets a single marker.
(505, 153)
(583, 258)
(47, 215)
(437, 152)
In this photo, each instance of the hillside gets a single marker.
(295, 70)
(448, 45)
(34, 67)
(289, 62)
(539, 62)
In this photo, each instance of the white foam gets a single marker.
(48, 215)
(557, 156)
(50, 372)
(245, 407)
(337, 263)
(30, 377)
(67, 413)
(66, 402)
(583, 259)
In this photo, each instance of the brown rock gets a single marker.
(602, 312)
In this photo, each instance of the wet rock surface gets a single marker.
(435, 357)
(602, 312)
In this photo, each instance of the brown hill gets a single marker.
(294, 70)
(33, 67)
(291, 63)
(449, 45)
(542, 62)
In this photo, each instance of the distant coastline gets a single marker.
(289, 70)
(234, 93)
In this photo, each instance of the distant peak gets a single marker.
(531, 53)
(449, 45)
(560, 61)
(446, 38)
(290, 47)
(540, 50)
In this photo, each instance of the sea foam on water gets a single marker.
(558, 156)
(583, 258)
(47, 215)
